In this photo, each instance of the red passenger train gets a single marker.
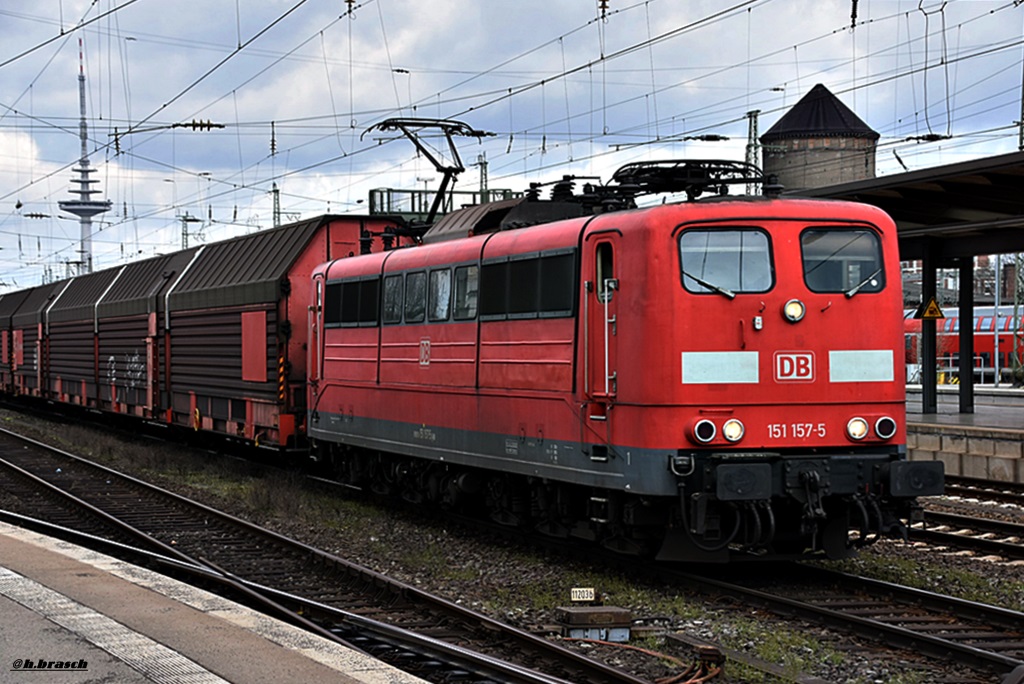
(986, 356)
(714, 379)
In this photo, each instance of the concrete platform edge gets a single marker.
(313, 647)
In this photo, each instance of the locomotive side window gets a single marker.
(415, 297)
(842, 260)
(332, 304)
(369, 295)
(529, 287)
(726, 261)
(467, 285)
(494, 289)
(440, 295)
(351, 303)
(393, 291)
(522, 287)
(605, 272)
(557, 284)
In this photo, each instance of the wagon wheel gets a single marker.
(505, 503)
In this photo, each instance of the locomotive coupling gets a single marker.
(811, 480)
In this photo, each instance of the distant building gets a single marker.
(820, 141)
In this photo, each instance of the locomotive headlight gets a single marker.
(733, 430)
(793, 310)
(704, 431)
(857, 428)
(885, 427)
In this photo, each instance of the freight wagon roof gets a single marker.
(31, 310)
(245, 270)
(9, 304)
(137, 290)
(78, 301)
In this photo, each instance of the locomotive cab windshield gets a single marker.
(726, 261)
(842, 260)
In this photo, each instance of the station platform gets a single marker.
(986, 444)
(71, 615)
(998, 408)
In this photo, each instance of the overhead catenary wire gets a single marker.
(560, 126)
(221, 63)
(81, 25)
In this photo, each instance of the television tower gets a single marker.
(83, 207)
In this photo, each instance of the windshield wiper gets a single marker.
(856, 288)
(711, 286)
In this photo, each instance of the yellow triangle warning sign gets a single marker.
(929, 310)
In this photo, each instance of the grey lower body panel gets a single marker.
(637, 471)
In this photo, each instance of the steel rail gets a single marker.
(200, 572)
(1005, 527)
(876, 629)
(601, 672)
(990, 490)
(978, 526)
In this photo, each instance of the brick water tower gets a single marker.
(820, 141)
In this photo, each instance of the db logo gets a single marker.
(794, 366)
(425, 351)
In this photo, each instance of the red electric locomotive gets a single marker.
(716, 379)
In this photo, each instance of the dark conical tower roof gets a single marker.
(819, 114)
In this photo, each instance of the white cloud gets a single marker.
(457, 58)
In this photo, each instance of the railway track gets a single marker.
(980, 527)
(982, 535)
(940, 632)
(961, 632)
(987, 490)
(258, 562)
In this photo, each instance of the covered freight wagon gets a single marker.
(211, 338)
(9, 304)
(28, 342)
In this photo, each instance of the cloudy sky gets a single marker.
(564, 87)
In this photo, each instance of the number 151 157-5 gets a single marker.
(795, 430)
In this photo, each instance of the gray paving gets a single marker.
(61, 605)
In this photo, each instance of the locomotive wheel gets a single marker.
(505, 504)
(547, 508)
